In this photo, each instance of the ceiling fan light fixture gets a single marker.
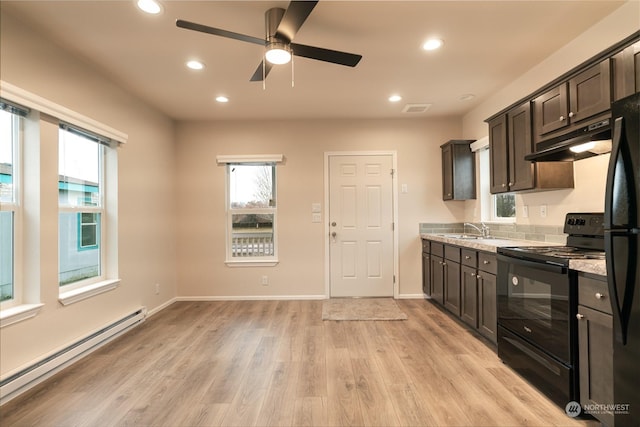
(149, 6)
(278, 53)
(222, 99)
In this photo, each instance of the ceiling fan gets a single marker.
(280, 27)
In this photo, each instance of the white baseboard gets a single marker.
(411, 296)
(252, 298)
(161, 307)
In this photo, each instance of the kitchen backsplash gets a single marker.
(541, 233)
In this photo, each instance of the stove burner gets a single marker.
(557, 252)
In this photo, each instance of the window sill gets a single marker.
(79, 294)
(18, 314)
(252, 263)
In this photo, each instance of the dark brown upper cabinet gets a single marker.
(509, 141)
(458, 170)
(626, 72)
(583, 99)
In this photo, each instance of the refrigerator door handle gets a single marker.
(615, 174)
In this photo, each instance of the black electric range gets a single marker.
(585, 240)
(537, 300)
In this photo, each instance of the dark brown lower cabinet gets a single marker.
(426, 267)
(464, 282)
(595, 343)
(487, 308)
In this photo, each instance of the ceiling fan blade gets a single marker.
(326, 55)
(257, 76)
(294, 17)
(218, 32)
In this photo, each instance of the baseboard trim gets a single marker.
(251, 298)
(161, 307)
(411, 296)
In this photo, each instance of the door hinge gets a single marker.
(394, 279)
(393, 226)
(392, 171)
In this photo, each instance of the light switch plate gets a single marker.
(316, 207)
(543, 211)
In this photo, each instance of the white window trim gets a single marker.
(77, 294)
(19, 313)
(16, 208)
(39, 104)
(249, 159)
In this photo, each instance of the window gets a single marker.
(495, 207)
(10, 134)
(251, 212)
(81, 207)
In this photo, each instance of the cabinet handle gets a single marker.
(579, 316)
(467, 257)
(485, 262)
(510, 184)
(562, 118)
(478, 277)
(504, 185)
(473, 274)
(444, 263)
(571, 114)
(449, 194)
(599, 295)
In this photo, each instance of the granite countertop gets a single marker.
(594, 266)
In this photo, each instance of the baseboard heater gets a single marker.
(19, 382)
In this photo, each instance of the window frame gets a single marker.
(16, 208)
(229, 162)
(79, 210)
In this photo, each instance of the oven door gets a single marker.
(534, 303)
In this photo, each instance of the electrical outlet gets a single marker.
(543, 211)
(525, 211)
(265, 280)
(157, 288)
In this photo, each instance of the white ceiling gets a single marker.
(487, 45)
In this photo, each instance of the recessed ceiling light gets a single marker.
(222, 99)
(149, 6)
(195, 65)
(467, 97)
(432, 44)
(395, 98)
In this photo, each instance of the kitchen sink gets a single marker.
(463, 236)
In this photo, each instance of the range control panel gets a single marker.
(584, 224)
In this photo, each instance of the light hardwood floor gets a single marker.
(276, 363)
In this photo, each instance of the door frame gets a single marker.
(394, 192)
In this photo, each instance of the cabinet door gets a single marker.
(595, 342)
(469, 296)
(447, 172)
(499, 164)
(551, 110)
(521, 171)
(452, 287)
(626, 69)
(437, 279)
(426, 273)
(590, 92)
(487, 307)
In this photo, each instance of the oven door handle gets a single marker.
(553, 268)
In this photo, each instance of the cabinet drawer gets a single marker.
(437, 249)
(452, 253)
(426, 246)
(469, 257)
(487, 262)
(594, 293)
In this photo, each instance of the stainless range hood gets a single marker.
(579, 144)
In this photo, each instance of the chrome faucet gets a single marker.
(484, 231)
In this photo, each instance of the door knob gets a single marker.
(333, 224)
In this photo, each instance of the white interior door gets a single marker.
(361, 225)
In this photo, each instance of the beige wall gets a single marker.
(146, 190)
(590, 175)
(201, 198)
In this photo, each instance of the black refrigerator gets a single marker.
(622, 244)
